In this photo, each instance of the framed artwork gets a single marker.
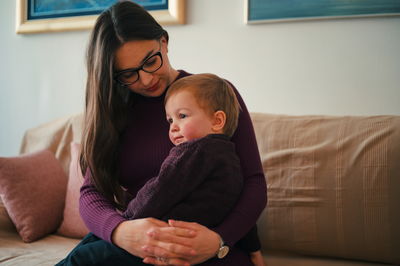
(262, 11)
(35, 16)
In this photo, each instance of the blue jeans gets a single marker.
(95, 251)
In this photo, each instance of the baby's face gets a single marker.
(187, 120)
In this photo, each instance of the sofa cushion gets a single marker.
(333, 185)
(32, 188)
(72, 224)
(46, 251)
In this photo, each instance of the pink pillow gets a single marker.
(5, 221)
(32, 188)
(72, 224)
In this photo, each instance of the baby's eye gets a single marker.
(182, 116)
(169, 120)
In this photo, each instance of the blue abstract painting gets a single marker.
(41, 9)
(262, 10)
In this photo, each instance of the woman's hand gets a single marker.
(150, 237)
(205, 243)
(131, 235)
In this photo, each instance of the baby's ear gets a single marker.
(219, 121)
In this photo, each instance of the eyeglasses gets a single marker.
(129, 76)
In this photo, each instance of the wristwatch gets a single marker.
(223, 249)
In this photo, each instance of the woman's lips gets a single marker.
(153, 88)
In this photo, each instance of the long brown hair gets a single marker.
(106, 101)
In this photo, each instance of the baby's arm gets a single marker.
(174, 182)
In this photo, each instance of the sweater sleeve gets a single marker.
(254, 195)
(99, 215)
(178, 177)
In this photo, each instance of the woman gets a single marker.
(126, 139)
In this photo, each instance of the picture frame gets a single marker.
(170, 13)
(270, 11)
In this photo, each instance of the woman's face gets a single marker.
(134, 54)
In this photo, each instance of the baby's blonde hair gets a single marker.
(212, 93)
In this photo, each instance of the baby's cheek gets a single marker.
(189, 132)
(170, 136)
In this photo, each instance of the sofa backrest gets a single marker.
(333, 185)
(333, 182)
(55, 136)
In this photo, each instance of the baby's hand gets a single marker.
(257, 258)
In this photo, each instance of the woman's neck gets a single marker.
(173, 75)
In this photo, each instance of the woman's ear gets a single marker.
(219, 121)
(164, 43)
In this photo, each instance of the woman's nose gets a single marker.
(145, 77)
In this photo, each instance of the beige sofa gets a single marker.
(333, 191)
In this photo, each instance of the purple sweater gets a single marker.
(145, 145)
(200, 181)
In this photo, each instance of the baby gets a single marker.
(201, 179)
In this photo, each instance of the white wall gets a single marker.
(334, 67)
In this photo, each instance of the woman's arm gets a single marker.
(99, 215)
(254, 195)
(134, 236)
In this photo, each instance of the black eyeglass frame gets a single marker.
(137, 69)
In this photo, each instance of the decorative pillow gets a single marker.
(333, 185)
(72, 224)
(5, 220)
(32, 188)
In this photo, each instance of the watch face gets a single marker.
(223, 251)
